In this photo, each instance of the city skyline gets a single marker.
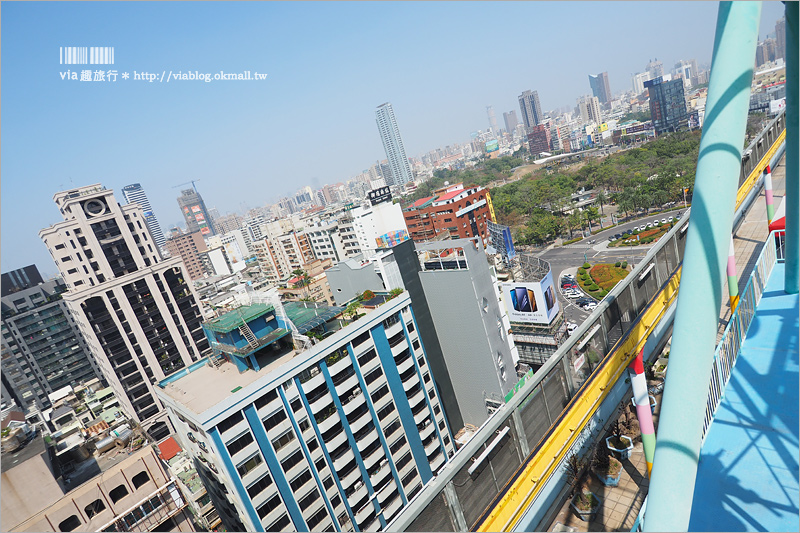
(236, 136)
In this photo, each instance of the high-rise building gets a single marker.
(337, 436)
(637, 80)
(138, 314)
(393, 145)
(195, 213)
(600, 87)
(19, 279)
(134, 194)
(780, 38)
(40, 334)
(655, 68)
(188, 246)
(510, 120)
(667, 105)
(530, 108)
(589, 107)
(539, 139)
(492, 120)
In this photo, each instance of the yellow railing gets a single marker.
(752, 179)
(523, 488)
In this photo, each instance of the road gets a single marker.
(562, 258)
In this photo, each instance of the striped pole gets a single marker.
(643, 413)
(733, 282)
(768, 194)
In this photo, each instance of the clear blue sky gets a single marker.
(312, 121)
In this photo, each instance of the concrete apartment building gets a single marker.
(463, 212)
(195, 213)
(531, 109)
(293, 437)
(400, 173)
(134, 194)
(460, 319)
(138, 314)
(132, 493)
(188, 246)
(41, 337)
(667, 105)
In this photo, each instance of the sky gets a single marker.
(312, 120)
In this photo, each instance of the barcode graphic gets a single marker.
(86, 55)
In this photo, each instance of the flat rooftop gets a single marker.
(204, 386)
(747, 476)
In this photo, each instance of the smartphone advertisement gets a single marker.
(531, 302)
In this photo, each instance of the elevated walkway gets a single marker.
(747, 478)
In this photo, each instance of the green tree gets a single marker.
(352, 310)
(602, 198)
(303, 281)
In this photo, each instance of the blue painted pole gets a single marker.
(791, 276)
(700, 297)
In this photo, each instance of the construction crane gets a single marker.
(187, 183)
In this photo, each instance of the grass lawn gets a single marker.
(606, 275)
(654, 233)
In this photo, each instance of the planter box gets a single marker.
(590, 515)
(653, 403)
(623, 453)
(609, 481)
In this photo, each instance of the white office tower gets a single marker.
(138, 314)
(134, 194)
(393, 144)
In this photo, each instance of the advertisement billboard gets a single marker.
(199, 217)
(531, 302)
(195, 209)
(509, 243)
(492, 146)
(393, 238)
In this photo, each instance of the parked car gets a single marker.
(571, 327)
(618, 235)
(628, 232)
(678, 216)
(642, 227)
(663, 220)
(649, 225)
(670, 219)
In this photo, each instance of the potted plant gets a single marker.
(606, 467)
(619, 443)
(582, 500)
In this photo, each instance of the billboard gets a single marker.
(509, 243)
(195, 209)
(199, 217)
(492, 146)
(393, 238)
(532, 302)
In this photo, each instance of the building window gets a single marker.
(307, 500)
(264, 400)
(70, 524)
(283, 440)
(118, 493)
(229, 422)
(239, 444)
(300, 480)
(259, 486)
(269, 506)
(249, 465)
(318, 517)
(273, 420)
(140, 479)
(94, 508)
(293, 460)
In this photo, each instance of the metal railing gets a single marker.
(736, 331)
(460, 497)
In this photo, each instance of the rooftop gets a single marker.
(205, 386)
(169, 449)
(233, 319)
(202, 385)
